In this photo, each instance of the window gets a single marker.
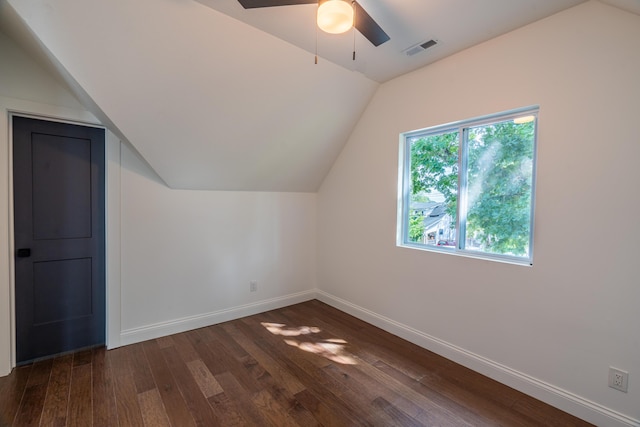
(468, 187)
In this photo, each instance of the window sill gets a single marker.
(505, 259)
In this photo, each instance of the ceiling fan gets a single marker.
(363, 21)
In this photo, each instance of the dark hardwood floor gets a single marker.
(303, 365)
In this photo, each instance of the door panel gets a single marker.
(59, 205)
(61, 187)
(59, 291)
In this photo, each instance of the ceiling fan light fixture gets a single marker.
(335, 16)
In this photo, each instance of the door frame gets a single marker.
(112, 225)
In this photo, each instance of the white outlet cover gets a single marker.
(618, 379)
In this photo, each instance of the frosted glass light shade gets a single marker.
(335, 16)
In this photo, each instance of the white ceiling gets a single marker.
(455, 24)
(632, 6)
(169, 76)
(217, 97)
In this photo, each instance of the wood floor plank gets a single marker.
(165, 342)
(254, 377)
(235, 406)
(174, 404)
(402, 358)
(198, 404)
(12, 389)
(397, 417)
(485, 400)
(40, 373)
(326, 412)
(321, 388)
(283, 341)
(281, 397)
(56, 402)
(376, 343)
(227, 411)
(128, 408)
(357, 393)
(32, 403)
(537, 413)
(232, 348)
(153, 413)
(204, 378)
(275, 369)
(372, 344)
(280, 388)
(184, 347)
(30, 410)
(418, 410)
(80, 410)
(271, 410)
(492, 401)
(83, 357)
(216, 355)
(140, 368)
(467, 415)
(303, 365)
(105, 411)
(206, 349)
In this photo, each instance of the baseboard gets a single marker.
(147, 332)
(548, 393)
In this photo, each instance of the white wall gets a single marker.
(188, 256)
(176, 259)
(553, 329)
(21, 78)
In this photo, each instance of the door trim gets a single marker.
(112, 227)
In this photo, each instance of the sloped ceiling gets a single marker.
(454, 24)
(208, 101)
(217, 97)
(632, 6)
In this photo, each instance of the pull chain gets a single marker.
(355, 16)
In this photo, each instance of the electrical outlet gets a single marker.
(253, 286)
(618, 379)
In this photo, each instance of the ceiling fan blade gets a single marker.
(364, 22)
(252, 4)
(369, 28)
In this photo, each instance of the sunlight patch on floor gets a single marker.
(330, 348)
(281, 329)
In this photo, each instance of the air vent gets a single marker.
(420, 47)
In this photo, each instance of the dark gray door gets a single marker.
(59, 211)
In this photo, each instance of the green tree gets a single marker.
(500, 176)
(416, 221)
(434, 166)
(499, 181)
(416, 228)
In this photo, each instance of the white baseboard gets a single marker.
(548, 393)
(148, 332)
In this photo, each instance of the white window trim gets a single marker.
(404, 186)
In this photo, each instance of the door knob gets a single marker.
(24, 252)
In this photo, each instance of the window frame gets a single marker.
(404, 185)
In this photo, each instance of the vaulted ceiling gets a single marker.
(214, 96)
